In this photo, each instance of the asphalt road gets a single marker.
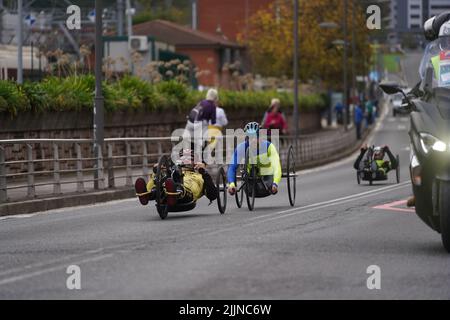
(319, 249)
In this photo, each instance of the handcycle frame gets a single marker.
(368, 174)
(247, 179)
(167, 169)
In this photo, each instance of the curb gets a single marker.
(70, 200)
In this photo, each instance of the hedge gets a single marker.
(76, 93)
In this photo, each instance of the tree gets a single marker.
(270, 40)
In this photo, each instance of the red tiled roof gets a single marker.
(181, 36)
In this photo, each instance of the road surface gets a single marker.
(319, 249)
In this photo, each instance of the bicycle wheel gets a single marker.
(162, 173)
(221, 185)
(291, 177)
(397, 170)
(240, 185)
(250, 184)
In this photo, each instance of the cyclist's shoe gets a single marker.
(171, 190)
(140, 186)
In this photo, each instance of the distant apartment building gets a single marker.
(408, 16)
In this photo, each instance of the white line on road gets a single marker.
(304, 209)
(337, 200)
(48, 270)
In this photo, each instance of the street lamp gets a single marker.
(19, 42)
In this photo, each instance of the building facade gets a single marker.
(228, 18)
(407, 17)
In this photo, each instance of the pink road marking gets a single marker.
(392, 206)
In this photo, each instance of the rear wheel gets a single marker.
(291, 177)
(221, 185)
(250, 182)
(444, 212)
(162, 173)
(240, 185)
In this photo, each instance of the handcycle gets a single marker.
(166, 169)
(369, 172)
(247, 178)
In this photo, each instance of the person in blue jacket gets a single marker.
(265, 157)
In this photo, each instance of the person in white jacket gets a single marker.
(216, 129)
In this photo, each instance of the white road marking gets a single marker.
(301, 210)
(46, 263)
(65, 210)
(48, 270)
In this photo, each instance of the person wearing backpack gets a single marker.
(201, 115)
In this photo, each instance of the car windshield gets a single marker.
(437, 57)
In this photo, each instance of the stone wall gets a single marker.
(71, 125)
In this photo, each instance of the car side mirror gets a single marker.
(390, 88)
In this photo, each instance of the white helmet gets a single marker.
(437, 26)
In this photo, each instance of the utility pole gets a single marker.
(354, 89)
(19, 41)
(296, 56)
(129, 19)
(120, 11)
(98, 100)
(194, 15)
(344, 64)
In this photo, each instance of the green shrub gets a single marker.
(15, 98)
(76, 93)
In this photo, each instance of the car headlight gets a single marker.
(429, 142)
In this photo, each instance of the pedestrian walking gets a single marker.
(359, 117)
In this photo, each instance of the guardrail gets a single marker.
(50, 165)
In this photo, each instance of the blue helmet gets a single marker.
(251, 128)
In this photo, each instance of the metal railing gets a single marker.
(41, 167)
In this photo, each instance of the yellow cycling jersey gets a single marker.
(192, 182)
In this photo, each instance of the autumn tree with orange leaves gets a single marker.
(270, 39)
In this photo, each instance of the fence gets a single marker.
(32, 168)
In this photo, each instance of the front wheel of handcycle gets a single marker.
(291, 177)
(240, 185)
(221, 185)
(162, 173)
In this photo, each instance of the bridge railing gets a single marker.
(31, 168)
